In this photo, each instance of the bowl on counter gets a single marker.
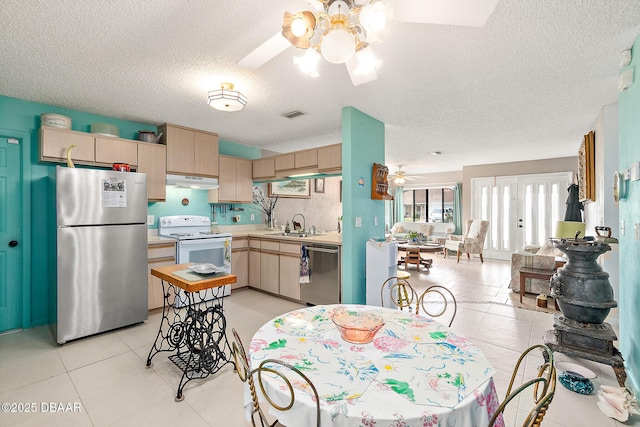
(55, 120)
(105, 129)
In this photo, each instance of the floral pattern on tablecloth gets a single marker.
(412, 359)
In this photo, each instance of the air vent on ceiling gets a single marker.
(293, 114)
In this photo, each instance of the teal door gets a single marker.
(10, 232)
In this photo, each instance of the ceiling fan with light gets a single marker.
(399, 177)
(342, 31)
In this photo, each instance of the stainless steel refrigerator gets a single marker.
(101, 251)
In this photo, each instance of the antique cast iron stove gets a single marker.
(585, 297)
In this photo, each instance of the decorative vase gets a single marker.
(269, 220)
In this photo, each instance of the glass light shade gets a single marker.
(366, 61)
(226, 99)
(308, 62)
(568, 229)
(298, 27)
(338, 45)
(373, 17)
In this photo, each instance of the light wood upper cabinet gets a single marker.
(190, 151)
(285, 162)
(264, 168)
(235, 180)
(115, 150)
(206, 154)
(180, 146)
(306, 158)
(330, 158)
(152, 160)
(54, 143)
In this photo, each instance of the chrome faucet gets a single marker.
(296, 225)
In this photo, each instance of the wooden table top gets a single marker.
(165, 272)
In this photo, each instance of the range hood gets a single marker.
(194, 182)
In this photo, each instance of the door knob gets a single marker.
(13, 243)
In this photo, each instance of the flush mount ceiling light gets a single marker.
(340, 33)
(226, 99)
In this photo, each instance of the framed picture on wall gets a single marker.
(295, 188)
(319, 185)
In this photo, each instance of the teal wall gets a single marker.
(629, 151)
(362, 145)
(22, 119)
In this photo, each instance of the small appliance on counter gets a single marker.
(100, 254)
(197, 243)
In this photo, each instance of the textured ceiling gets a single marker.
(527, 85)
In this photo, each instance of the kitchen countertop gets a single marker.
(154, 240)
(331, 238)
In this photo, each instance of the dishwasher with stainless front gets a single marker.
(325, 275)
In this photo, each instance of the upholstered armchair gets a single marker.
(471, 243)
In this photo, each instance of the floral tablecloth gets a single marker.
(415, 372)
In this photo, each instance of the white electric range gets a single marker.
(197, 243)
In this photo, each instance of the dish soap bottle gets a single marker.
(287, 229)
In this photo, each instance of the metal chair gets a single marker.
(402, 294)
(544, 388)
(246, 375)
(436, 307)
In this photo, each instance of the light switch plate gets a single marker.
(253, 217)
(634, 173)
(358, 221)
(375, 221)
(151, 219)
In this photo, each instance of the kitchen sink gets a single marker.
(295, 234)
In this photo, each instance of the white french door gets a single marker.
(522, 210)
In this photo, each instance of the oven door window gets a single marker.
(212, 251)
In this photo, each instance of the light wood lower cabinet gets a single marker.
(290, 276)
(254, 268)
(158, 255)
(240, 262)
(275, 267)
(270, 272)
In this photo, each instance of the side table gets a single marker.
(195, 330)
(533, 273)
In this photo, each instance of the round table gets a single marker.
(415, 372)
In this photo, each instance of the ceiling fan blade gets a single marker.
(358, 79)
(268, 50)
(468, 13)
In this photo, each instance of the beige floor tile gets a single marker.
(53, 401)
(165, 412)
(27, 363)
(125, 394)
(92, 349)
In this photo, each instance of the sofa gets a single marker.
(538, 257)
(430, 230)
